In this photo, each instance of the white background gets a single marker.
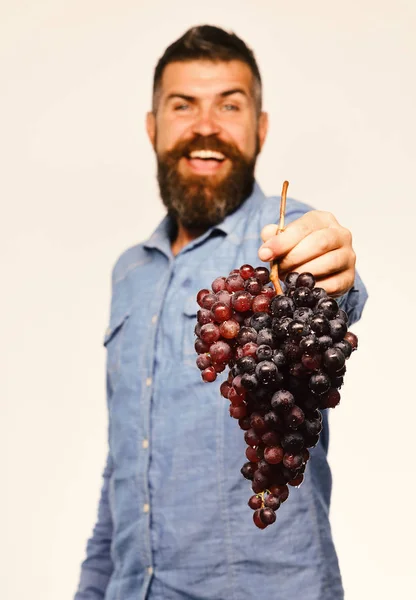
(78, 186)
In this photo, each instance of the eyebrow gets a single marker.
(222, 95)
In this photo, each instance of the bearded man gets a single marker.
(173, 521)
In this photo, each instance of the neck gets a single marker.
(183, 237)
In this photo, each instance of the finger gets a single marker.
(314, 245)
(268, 231)
(337, 261)
(337, 285)
(281, 244)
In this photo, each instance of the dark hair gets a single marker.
(207, 42)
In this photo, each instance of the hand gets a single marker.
(315, 243)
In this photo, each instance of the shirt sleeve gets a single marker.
(98, 566)
(354, 300)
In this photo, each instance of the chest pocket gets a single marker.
(189, 337)
(113, 341)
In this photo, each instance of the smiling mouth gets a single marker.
(205, 162)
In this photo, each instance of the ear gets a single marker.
(151, 128)
(263, 127)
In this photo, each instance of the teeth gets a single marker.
(207, 154)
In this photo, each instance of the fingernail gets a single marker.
(265, 253)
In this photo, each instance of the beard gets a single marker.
(199, 202)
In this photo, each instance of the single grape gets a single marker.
(262, 274)
(294, 418)
(319, 324)
(292, 442)
(244, 423)
(268, 291)
(223, 296)
(253, 286)
(292, 461)
(238, 412)
(203, 361)
(220, 312)
(303, 314)
(272, 420)
(324, 342)
(258, 424)
(282, 400)
(200, 296)
(267, 515)
(296, 482)
(261, 303)
(305, 280)
(251, 454)
(309, 344)
(319, 382)
(333, 359)
(255, 502)
(282, 306)
(260, 321)
(209, 374)
(225, 388)
(341, 314)
(337, 329)
(280, 327)
(280, 491)
(229, 329)
(246, 364)
(266, 372)
(241, 301)
(297, 329)
(257, 520)
(248, 470)
(352, 339)
(266, 336)
(264, 467)
(251, 438)
(302, 296)
(234, 282)
(318, 293)
(345, 347)
(264, 352)
(210, 333)
(204, 316)
(208, 300)
(249, 381)
(218, 284)
(328, 306)
(291, 279)
(312, 362)
(272, 502)
(311, 427)
(273, 454)
(250, 349)
(332, 399)
(246, 271)
(220, 352)
(270, 438)
(279, 358)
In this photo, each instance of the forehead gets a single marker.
(206, 78)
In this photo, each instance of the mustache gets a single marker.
(202, 142)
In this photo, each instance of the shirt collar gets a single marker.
(160, 238)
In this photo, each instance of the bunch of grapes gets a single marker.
(286, 354)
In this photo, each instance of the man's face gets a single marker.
(206, 135)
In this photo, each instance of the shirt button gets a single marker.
(150, 570)
(154, 319)
(145, 444)
(149, 381)
(146, 508)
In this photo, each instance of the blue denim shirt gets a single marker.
(173, 521)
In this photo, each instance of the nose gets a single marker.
(205, 124)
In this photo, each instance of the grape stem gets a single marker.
(274, 268)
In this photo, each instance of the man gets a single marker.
(173, 521)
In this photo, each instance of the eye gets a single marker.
(181, 107)
(230, 107)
